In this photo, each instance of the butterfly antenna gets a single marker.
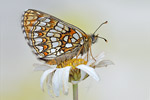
(100, 26)
(103, 38)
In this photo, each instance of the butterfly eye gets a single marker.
(94, 38)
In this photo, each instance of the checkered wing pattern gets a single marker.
(50, 38)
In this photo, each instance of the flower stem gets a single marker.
(75, 91)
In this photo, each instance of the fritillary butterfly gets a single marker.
(52, 39)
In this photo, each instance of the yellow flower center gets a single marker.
(74, 74)
(72, 62)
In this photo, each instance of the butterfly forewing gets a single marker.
(51, 39)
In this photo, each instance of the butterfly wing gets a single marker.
(50, 38)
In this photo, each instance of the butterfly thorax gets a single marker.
(91, 39)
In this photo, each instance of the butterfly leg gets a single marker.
(91, 52)
(87, 55)
(79, 52)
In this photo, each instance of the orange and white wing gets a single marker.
(50, 38)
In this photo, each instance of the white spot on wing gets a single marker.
(73, 40)
(75, 35)
(58, 53)
(53, 50)
(63, 31)
(53, 31)
(38, 28)
(30, 18)
(53, 39)
(61, 51)
(38, 13)
(41, 18)
(79, 33)
(35, 35)
(68, 45)
(50, 34)
(66, 28)
(81, 42)
(40, 48)
(50, 56)
(38, 40)
(58, 28)
(47, 20)
(60, 25)
(56, 35)
(42, 24)
(66, 38)
(55, 44)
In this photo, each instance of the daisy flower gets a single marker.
(73, 71)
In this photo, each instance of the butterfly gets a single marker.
(53, 40)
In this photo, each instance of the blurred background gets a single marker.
(127, 32)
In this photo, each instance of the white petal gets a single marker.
(42, 67)
(89, 70)
(104, 63)
(44, 76)
(65, 79)
(57, 81)
(90, 62)
(49, 84)
(82, 75)
(99, 58)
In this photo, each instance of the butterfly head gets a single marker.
(95, 37)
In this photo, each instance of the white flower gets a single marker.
(74, 71)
